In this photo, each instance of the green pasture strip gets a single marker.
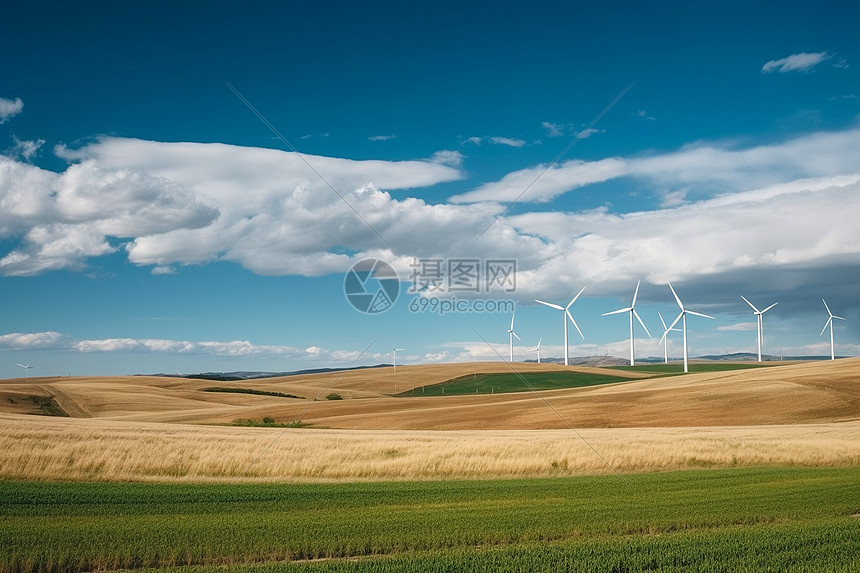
(230, 390)
(510, 382)
(678, 368)
(49, 526)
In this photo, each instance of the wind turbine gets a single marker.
(511, 335)
(566, 314)
(537, 348)
(758, 313)
(26, 368)
(829, 322)
(632, 310)
(394, 359)
(683, 315)
(665, 338)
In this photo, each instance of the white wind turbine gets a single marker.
(826, 324)
(511, 335)
(565, 315)
(665, 338)
(758, 313)
(683, 315)
(26, 368)
(537, 348)
(632, 310)
(394, 358)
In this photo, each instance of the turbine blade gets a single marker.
(661, 320)
(635, 294)
(617, 311)
(574, 299)
(515, 336)
(512, 320)
(539, 341)
(749, 303)
(826, 324)
(676, 320)
(700, 314)
(550, 304)
(827, 307)
(839, 317)
(678, 300)
(770, 307)
(570, 316)
(636, 314)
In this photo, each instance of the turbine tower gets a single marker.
(26, 368)
(758, 313)
(632, 310)
(826, 324)
(683, 315)
(537, 348)
(665, 338)
(565, 315)
(511, 335)
(394, 359)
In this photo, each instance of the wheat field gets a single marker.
(149, 428)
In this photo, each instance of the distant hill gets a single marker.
(251, 375)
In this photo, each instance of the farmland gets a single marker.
(762, 518)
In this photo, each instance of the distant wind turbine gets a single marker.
(565, 315)
(665, 338)
(26, 368)
(511, 335)
(537, 348)
(394, 358)
(826, 324)
(683, 315)
(632, 310)
(758, 313)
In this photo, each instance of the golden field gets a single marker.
(150, 428)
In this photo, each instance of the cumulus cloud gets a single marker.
(25, 150)
(382, 137)
(448, 157)
(802, 62)
(552, 129)
(31, 340)
(10, 108)
(170, 204)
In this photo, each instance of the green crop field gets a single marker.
(678, 368)
(774, 519)
(512, 382)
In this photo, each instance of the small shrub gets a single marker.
(334, 396)
(268, 420)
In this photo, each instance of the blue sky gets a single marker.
(152, 222)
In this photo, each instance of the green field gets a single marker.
(719, 520)
(678, 367)
(513, 382)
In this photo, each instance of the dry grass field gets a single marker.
(149, 428)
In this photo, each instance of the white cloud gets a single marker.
(586, 133)
(473, 140)
(25, 150)
(802, 62)
(509, 141)
(382, 137)
(542, 184)
(553, 129)
(710, 168)
(31, 341)
(10, 108)
(448, 157)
